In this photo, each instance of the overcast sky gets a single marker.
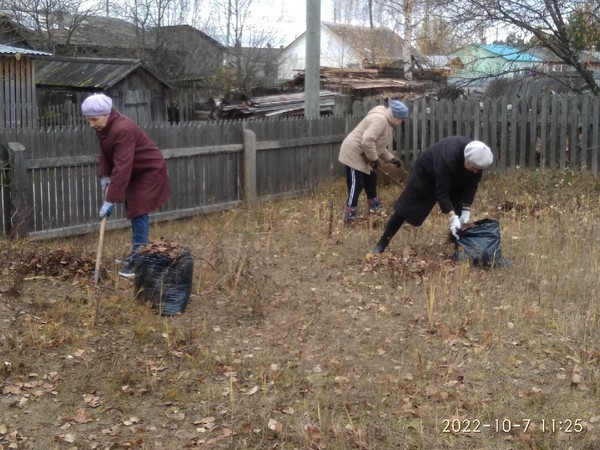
(288, 10)
(288, 17)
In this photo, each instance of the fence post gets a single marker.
(19, 211)
(5, 199)
(250, 194)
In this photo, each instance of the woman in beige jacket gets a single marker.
(362, 148)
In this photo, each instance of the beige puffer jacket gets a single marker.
(369, 140)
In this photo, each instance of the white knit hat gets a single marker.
(478, 155)
(96, 105)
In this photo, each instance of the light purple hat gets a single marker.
(96, 105)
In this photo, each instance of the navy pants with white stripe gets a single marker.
(356, 182)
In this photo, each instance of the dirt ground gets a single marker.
(294, 337)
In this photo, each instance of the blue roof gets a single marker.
(510, 53)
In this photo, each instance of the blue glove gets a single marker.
(454, 225)
(104, 182)
(105, 210)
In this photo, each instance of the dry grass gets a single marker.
(294, 340)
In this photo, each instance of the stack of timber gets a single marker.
(362, 83)
(284, 105)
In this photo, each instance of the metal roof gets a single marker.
(10, 50)
(510, 53)
(86, 73)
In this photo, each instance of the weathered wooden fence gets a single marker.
(550, 131)
(49, 187)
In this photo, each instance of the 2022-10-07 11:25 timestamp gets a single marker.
(510, 425)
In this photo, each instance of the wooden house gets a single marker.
(475, 65)
(63, 83)
(184, 52)
(186, 58)
(554, 66)
(17, 86)
(192, 63)
(12, 33)
(345, 47)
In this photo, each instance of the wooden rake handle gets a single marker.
(100, 243)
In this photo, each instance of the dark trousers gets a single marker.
(356, 182)
(391, 228)
(395, 222)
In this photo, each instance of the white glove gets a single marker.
(465, 216)
(454, 225)
(104, 182)
(105, 210)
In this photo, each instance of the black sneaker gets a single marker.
(378, 249)
(128, 270)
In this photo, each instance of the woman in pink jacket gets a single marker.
(362, 148)
(132, 170)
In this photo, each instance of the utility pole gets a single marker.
(312, 72)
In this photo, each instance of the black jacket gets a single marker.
(438, 176)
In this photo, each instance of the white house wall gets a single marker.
(292, 59)
(334, 53)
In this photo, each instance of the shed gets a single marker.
(17, 86)
(64, 82)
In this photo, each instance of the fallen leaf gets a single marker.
(132, 420)
(275, 426)
(80, 417)
(252, 391)
(314, 433)
(91, 400)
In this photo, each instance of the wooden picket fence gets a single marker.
(49, 186)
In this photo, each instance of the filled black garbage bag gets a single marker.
(480, 243)
(165, 281)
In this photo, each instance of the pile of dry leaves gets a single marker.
(19, 262)
(168, 248)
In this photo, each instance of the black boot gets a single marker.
(378, 249)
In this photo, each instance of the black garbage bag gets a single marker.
(480, 243)
(165, 281)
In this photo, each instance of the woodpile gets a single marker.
(361, 83)
(284, 105)
(353, 83)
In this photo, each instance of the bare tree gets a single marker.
(547, 21)
(153, 14)
(344, 10)
(435, 35)
(50, 22)
(401, 16)
(250, 46)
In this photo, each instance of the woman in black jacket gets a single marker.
(448, 173)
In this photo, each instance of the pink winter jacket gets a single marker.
(369, 140)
